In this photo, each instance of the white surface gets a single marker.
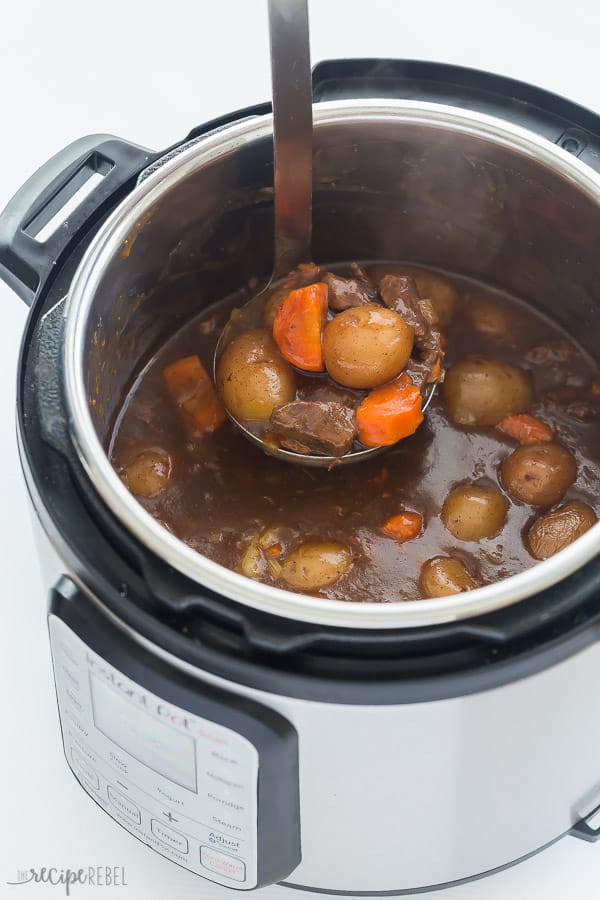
(149, 73)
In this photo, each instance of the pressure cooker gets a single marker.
(246, 733)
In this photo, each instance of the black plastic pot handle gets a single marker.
(27, 262)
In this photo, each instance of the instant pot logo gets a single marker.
(222, 841)
(93, 876)
(160, 709)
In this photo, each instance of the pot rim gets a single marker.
(279, 602)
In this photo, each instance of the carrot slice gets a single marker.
(298, 327)
(190, 386)
(436, 371)
(389, 413)
(403, 527)
(525, 429)
(274, 550)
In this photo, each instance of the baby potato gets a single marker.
(431, 286)
(366, 346)
(481, 391)
(273, 305)
(442, 576)
(539, 474)
(148, 474)
(557, 529)
(489, 318)
(316, 564)
(472, 512)
(253, 379)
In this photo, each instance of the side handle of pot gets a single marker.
(67, 194)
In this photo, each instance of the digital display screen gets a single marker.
(152, 742)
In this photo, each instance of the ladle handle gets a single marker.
(292, 132)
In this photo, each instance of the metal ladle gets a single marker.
(292, 136)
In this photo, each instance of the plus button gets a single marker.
(170, 817)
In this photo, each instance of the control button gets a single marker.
(124, 805)
(170, 817)
(73, 681)
(224, 758)
(69, 653)
(84, 769)
(223, 778)
(73, 699)
(223, 802)
(169, 837)
(226, 825)
(221, 864)
(83, 732)
(118, 762)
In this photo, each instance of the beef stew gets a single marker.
(505, 471)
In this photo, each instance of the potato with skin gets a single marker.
(366, 346)
(273, 305)
(443, 576)
(471, 512)
(489, 318)
(539, 474)
(431, 286)
(557, 529)
(316, 564)
(480, 391)
(253, 378)
(149, 473)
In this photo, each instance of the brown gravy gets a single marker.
(224, 492)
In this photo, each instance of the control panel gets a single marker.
(184, 785)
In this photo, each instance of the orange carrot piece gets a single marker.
(274, 550)
(403, 527)
(389, 413)
(436, 370)
(298, 327)
(525, 429)
(190, 386)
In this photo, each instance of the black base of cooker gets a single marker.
(221, 636)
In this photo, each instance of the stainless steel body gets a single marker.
(470, 768)
(396, 179)
(399, 797)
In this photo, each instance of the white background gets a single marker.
(149, 72)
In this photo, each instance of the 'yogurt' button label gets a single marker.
(221, 864)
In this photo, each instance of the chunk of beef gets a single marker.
(581, 403)
(348, 292)
(560, 351)
(311, 426)
(400, 293)
(328, 391)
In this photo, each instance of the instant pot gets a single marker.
(250, 734)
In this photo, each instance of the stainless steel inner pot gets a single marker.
(392, 180)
